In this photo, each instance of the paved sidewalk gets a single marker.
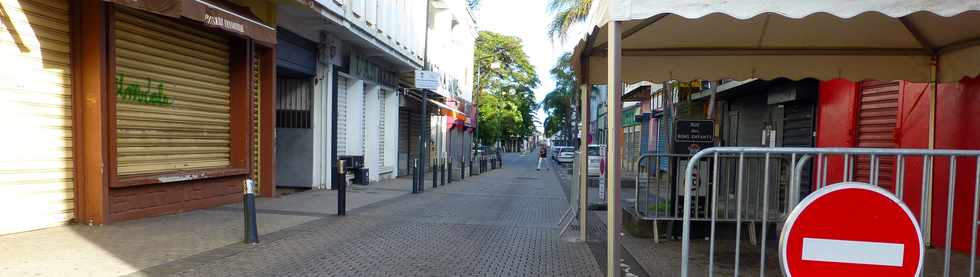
(500, 223)
(126, 247)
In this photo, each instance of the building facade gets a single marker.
(342, 103)
(449, 120)
(130, 109)
(126, 110)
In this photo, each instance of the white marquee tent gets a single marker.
(934, 41)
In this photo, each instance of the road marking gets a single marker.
(853, 252)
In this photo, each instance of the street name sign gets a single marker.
(851, 229)
(690, 136)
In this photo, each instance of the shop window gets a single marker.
(294, 103)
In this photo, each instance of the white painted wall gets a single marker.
(452, 34)
(371, 136)
(396, 23)
(391, 132)
(322, 127)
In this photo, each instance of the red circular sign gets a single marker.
(851, 229)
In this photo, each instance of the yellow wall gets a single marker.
(264, 9)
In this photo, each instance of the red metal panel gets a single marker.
(957, 107)
(835, 121)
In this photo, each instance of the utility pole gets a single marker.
(424, 134)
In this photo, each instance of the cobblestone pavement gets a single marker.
(501, 223)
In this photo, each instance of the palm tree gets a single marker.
(560, 103)
(567, 13)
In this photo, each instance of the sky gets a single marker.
(528, 20)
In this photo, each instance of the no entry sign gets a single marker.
(851, 229)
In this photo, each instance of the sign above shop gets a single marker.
(690, 136)
(427, 80)
(225, 16)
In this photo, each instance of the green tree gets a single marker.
(566, 14)
(473, 4)
(559, 104)
(504, 83)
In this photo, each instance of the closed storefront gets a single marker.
(295, 144)
(410, 128)
(184, 107)
(36, 169)
(173, 96)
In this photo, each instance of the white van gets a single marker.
(596, 152)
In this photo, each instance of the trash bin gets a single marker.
(361, 176)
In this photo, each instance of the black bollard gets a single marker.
(449, 172)
(342, 189)
(442, 172)
(435, 176)
(462, 169)
(251, 227)
(415, 176)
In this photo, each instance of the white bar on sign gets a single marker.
(853, 252)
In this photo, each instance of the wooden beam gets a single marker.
(90, 37)
(267, 121)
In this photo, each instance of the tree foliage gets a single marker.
(566, 14)
(560, 103)
(473, 4)
(504, 83)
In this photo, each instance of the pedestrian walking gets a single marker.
(542, 153)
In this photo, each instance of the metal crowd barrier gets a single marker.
(778, 188)
(659, 197)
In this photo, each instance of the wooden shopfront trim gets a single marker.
(240, 51)
(90, 110)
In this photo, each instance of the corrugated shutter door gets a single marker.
(662, 129)
(36, 180)
(383, 111)
(256, 115)
(404, 162)
(341, 116)
(190, 130)
(877, 122)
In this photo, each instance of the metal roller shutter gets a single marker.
(179, 117)
(256, 115)
(404, 160)
(383, 108)
(36, 168)
(341, 116)
(877, 122)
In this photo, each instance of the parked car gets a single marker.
(482, 149)
(595, 156)
(556, 150)
(567, 155)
